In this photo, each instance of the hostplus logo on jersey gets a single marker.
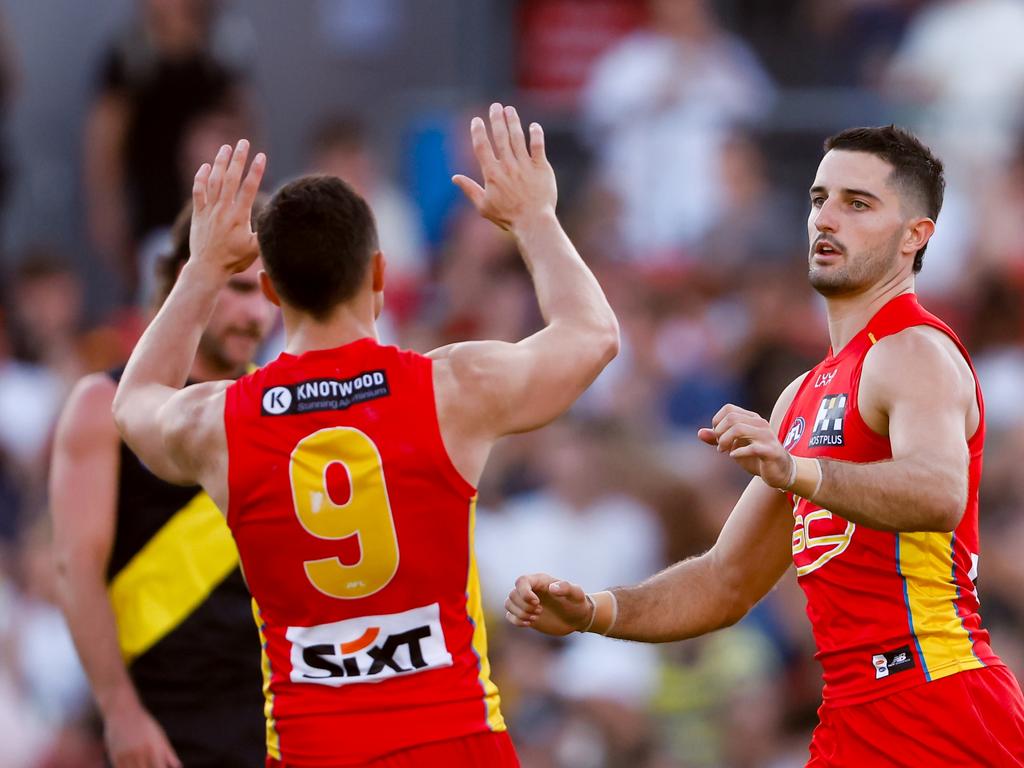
(324, 394)
(828, 424)
(369, 649)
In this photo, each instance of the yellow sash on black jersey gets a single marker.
(171, 575)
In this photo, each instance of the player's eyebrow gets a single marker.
(847, 192)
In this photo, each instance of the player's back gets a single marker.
(355, 535)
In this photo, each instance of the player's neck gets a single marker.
(848, 314)
(349, 322)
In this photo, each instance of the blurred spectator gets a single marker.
(202, 136)
(798, 39)
(482, 288)
(962, 65)
(179, 59)
(47, 307)
(30, 398)
(578, 521)
(44, 698)
(341, 147)
(755, 228)
(660, 106)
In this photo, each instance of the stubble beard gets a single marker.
(213, 349)
(855, 274)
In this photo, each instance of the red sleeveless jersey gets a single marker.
(355, 534)
(889, 610)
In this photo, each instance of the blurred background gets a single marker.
(684, 133)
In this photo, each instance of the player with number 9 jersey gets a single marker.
(356, 531)
(346, 469)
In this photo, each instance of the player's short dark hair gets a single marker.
(915, 170)
(169, 265)
(317, 236)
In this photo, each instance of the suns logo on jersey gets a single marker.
(818, 536)
(369, 649)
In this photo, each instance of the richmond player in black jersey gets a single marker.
(148, 571)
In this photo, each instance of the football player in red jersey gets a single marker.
(347, 469)
(866, 479)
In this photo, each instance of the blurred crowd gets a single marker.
(684, 151)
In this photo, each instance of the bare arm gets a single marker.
(692, 597)
(83, 499)
(178, 433)
(917, 389)
(487, 389)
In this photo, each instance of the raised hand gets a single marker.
(221, 236)
(548, 605)
(518, 180)
(752, 443)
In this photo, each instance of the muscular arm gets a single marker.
(718, 588)
(179, 433)
(83, 503)
(155, 415)
(487, 389)
(916, 388)
(692, 597)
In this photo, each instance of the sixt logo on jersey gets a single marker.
(369, 649)
(828, 424)
(324, 394)
(891, 662)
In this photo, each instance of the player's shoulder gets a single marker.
(916, 352)
(919, 361)
(92, 397)
(785, 400)
(87, 413)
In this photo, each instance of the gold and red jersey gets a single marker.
(355, 533)
(889, 610)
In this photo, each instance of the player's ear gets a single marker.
(268, 288)
(919, 232)
(378, 265)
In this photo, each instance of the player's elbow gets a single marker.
(948, 501)
(734, 609)
(599, 337)
(608, 340)
(946, 515)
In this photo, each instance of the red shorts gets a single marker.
(480, 750)
(973, 719)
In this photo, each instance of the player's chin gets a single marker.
(239, 349)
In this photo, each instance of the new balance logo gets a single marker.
(886, 664)
(828, 424)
